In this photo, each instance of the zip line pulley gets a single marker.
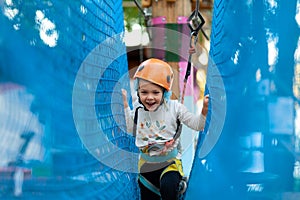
(195, 23)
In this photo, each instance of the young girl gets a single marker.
(155, 122)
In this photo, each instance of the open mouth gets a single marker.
(150, 104)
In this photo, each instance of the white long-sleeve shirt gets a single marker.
(160, 126)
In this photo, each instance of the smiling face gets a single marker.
(150, 94)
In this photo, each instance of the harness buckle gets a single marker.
(182, 185)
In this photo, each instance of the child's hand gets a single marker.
(192, 50)
(168, 144)
(124, 95)
(205, 105)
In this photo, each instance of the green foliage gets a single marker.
(132, 15)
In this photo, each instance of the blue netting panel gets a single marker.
(54, 142)
(250, 78)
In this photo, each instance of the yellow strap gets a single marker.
(177, 166)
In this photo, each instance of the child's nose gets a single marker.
(150, 96)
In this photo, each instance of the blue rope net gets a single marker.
(252, 99)
(51, 50)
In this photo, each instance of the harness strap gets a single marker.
(135, 120)
(149, 185)
(178, 130)
(182, 184)
(170, 155)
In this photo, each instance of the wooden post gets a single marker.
(171, 10)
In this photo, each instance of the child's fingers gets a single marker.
(206, 99)
(192, 50)
(124, 92)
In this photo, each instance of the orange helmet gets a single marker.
(156, 71)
